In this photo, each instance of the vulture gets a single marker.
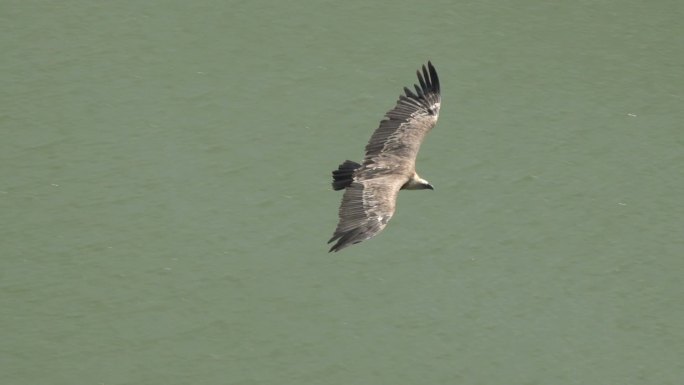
(389, 165)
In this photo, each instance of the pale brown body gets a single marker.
(371, 188)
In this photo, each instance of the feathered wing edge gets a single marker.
(425, 102)
(366, 208)
(429, 84)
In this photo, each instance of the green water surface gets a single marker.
(165, 193)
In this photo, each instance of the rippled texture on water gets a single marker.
(165, 197)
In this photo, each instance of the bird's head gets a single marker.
(417, 183)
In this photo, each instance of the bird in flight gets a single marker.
(389, 165)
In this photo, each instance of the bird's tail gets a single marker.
(344, 175)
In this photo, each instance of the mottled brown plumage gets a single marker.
(389, 165)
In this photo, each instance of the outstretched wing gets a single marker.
(404, 127)
(366, 208)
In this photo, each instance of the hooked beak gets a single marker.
(429, 186)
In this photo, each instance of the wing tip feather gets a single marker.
(429, 82)
(410, 93)
(344, 239)
(434, 79)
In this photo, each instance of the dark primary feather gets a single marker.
(404, 127)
